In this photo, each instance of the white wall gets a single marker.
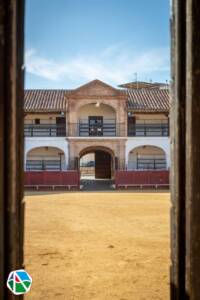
(161, 142)
(151, 118)
(57, 142)
(49, 118)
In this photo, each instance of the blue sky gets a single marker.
(70, 42)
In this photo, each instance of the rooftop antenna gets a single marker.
(136, 79)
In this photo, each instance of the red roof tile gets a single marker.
(144, 85)
(138, 100)
(45, 100)
(148, 99)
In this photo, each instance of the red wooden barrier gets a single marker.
(50, 178)
(123, 178)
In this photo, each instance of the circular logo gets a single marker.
(19, 282)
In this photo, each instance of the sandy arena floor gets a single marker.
(105, 246)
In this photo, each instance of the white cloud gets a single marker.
(114, 64)
(42, 67)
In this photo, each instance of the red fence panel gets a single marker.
(67, 178)
(141, 177)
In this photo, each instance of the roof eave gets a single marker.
(148, 110)
(44, 110)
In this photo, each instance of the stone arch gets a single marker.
(160, 142)
(75, 105)
(104, 160)
(80, 104)
(51, 157)
(147, 157)
(59, 143)
(93, 148)
(114, 146)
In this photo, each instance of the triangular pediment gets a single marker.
(96, 88)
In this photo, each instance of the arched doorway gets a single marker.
(96, 163)
(46, 159)
(147, 157)
(96, 119)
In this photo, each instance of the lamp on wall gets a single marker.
(62, 113)
(97, 104)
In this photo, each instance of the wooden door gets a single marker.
(102, 165)
(61, 126)
(131, 125)
(96, 126)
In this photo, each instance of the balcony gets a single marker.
(107, 128)
(104, 129)
(148, 130)
(44, 130)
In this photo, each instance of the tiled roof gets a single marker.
(148, 99)
(45, 100)
(138, 100)
(144, 85)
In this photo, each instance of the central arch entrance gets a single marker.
(96, 163)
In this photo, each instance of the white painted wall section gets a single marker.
(161, 142)
(57, 142)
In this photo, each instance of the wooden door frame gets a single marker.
(95, 117)
(11, 140)
(185, 150)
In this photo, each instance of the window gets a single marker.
(37, 121)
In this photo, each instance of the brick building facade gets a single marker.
(131, 125)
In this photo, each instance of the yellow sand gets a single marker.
(105, 246)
